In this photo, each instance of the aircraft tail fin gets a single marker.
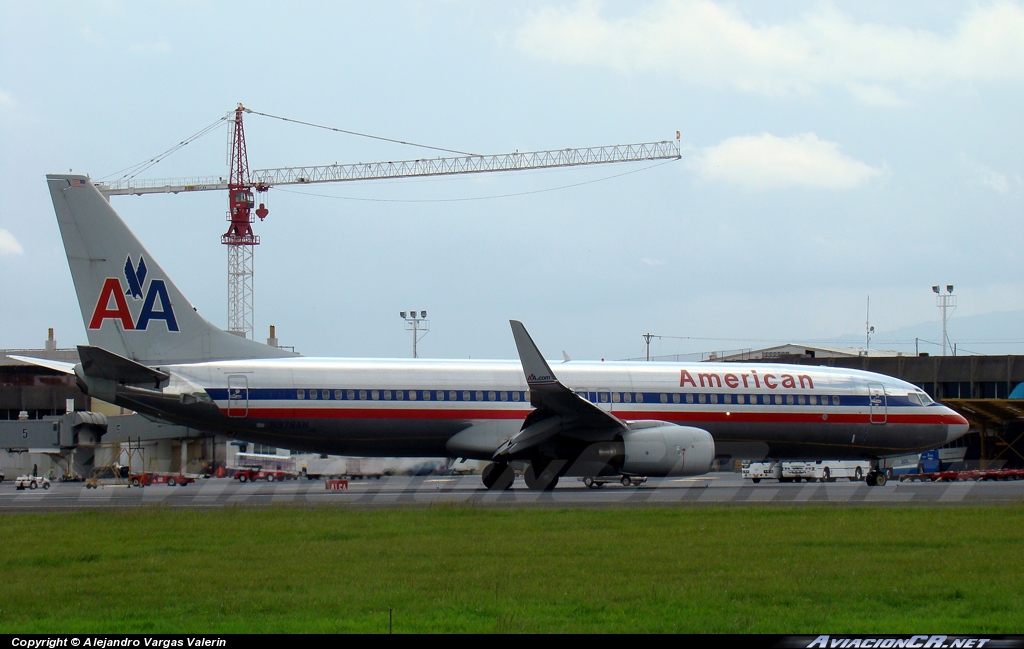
(129, 305)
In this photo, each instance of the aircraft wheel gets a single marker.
(543, 480)
(498, 476)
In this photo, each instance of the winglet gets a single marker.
(536, 369)
(558, 407)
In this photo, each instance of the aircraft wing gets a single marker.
(558, 410)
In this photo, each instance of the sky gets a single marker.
(838, 160)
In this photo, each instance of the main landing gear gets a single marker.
(539, 475)
(498, 476)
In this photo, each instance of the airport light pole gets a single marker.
(945, 302)
(417, 323)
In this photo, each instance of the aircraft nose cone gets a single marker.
(956, 425)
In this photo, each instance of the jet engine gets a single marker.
(656, 448)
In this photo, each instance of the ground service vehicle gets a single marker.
(31, 482)
(170, 479)
(758, 471)
(253, 473)
(625, 481)
(808, 471)
(825, 470)
(977, 475)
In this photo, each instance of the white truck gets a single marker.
(758, 471)
(808, 471)
(826, 470)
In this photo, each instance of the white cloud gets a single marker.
(987, 176)
(768, 161)
(711, 44)
(8, 244)
(995, 180)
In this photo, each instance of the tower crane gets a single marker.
(240, 184)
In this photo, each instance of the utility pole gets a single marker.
(647, 341)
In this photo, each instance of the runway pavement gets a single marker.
(722, 489)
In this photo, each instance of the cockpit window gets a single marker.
(920, 398)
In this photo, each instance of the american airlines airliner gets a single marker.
(150, 351)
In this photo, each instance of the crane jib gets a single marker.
(665, 150)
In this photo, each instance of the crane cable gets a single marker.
(372, 137)
(136, 169)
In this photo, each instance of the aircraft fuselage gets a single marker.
(469, 408)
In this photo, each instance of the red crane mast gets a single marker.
(240, 238)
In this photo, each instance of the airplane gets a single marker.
(150, 351)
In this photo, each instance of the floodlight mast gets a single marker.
(240, 184)
(416, 322)
(947, 304)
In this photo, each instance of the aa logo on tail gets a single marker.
(111, 304)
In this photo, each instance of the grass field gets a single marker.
(800, 570)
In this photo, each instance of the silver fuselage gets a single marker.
(381, 407)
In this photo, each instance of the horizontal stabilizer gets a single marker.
(98, 363)
(60, 366)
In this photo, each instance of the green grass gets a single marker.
(800, 570)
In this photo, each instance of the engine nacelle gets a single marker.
(655, 448)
